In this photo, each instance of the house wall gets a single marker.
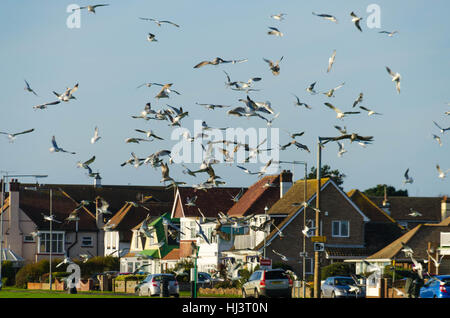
(338, 208)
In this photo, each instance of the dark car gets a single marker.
(268, 283)
(436, 287)
(341, 287)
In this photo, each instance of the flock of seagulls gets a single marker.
(265, 111)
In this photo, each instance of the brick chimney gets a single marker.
(285, 182)
(445, 208)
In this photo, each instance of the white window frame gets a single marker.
(333, 234)
(25, 240)
(43, 234)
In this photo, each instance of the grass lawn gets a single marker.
(11, 292)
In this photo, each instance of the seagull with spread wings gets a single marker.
(158, 22)
(388, 33)
(443, 130)
(274, 66)
(283, 258)
(356, 20)
(96, 136)
(29, 89)
(217, 61)
(310, 89)
(330, 93)
(331, 61)
(299, 103)
(12, 136)
(326, 17)
(68, 94)
(407, 179)
(91, 8)
(44, 106)
(369, 111)
(56, 148)
(438, 139)
(441, 174)
(85, 164)
(279, 16)
(396, 77)
(358, 100)
(151, 37)
(149, 133)
(340, 113)
(275, 31)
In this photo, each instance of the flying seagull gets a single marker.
(149, 133)
(326, 17)
(12, 136)
(438, 139)
(274, 31)
(443, 130)
(331, 61)
(358, 100)
(407, 179)
(330, 93)
(91, 8)
(341, 149)
(68, 94)
(29, 89)
(217, 61)
(96, 136)
(441, 174)
(279, 16)
(44, 106)
(396, 77)
(55, 147)
(274, 66)
(158, 22)
(310, 89)
(85, 164)
(284, 258)
(356, 20)
(369, 111)
(390, 34)
(340, 113)
(299, 103)
(414, 213)
(151, 37)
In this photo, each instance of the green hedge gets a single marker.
(130, 277)
(337, 269)
(8, 273)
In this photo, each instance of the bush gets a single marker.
(55, 275)
(337, 269)
(400, 272)
(130, 277)
(8, 273)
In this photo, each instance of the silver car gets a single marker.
(341, 287)
(152, 284)
(268, 283)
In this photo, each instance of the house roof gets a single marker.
(129, 217)
(172, 255)
(417, 239)
(373, 212)
(210, 202)
(115, 195)
(429, 207)
(257, 197)
(36, 203)
(294, 195)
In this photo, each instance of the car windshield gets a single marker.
(275, 275)
(343, 281)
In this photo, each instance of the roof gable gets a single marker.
(257, 197)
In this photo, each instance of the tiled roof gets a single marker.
(115, 195)
(346, 252)
(210, 202)
(257, 197)
(172, 255)
(34, 203)
(429, 207)
(373, 212)
(294, 195)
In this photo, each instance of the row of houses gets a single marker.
(355, 227)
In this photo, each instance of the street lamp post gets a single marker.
(265, 232)
(316, 253)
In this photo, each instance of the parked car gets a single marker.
(204, 280)
(151, 285)
(436, 287)
(268, 283)
(341, 287)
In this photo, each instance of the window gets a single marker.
(340, 229)
(56, 243)
(86, 241)
(28, 238)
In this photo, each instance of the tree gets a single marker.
(378, 191)
(326, 172)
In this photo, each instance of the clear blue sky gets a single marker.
(109, 56)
